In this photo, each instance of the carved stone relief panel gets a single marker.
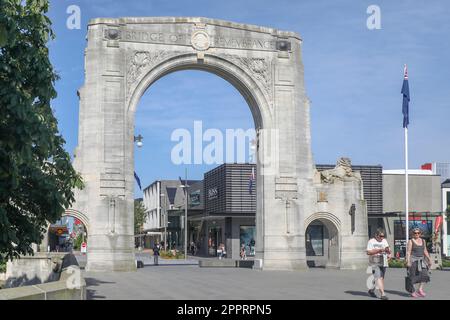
(259, 68)
(139, 62)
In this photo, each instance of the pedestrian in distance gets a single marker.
(243, 253)
(418, 262)
(156, 253)
(379, 254)
(192, 247)
(221, 251)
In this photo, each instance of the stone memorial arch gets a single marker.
(125, 56)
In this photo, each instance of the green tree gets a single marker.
(78, 241)
(139, 215)
(36, 175)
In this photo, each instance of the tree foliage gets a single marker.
(36, 175)
(139, 215)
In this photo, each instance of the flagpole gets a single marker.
(406, 187)
(185, 214)
(405, 111)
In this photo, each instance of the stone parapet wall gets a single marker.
(63, 282)
(58, 290)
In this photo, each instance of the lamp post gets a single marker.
(166, 220)
(185, 189)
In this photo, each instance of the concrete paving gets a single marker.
(187, 281)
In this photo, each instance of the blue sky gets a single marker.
(353, 77)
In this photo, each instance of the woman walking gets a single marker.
(418, 262)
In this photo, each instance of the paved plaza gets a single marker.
(186, 280)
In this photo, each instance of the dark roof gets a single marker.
(446, 184)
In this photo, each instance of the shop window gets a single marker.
(214, 240)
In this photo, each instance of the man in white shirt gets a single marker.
(379, 253)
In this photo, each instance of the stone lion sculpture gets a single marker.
(343, 172)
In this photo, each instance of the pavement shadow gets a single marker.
(398, 293)
(357, 293)
(91, 294)
(170, 264)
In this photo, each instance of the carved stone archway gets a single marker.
(125, 56)
(331, 237)
(79, 215)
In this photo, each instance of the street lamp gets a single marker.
(166, 220)
(138, 141)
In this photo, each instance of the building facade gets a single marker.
(229, 211)
(446, 214)
(164, 206)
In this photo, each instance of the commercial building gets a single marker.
(424, 206)
(446, 222)
(229, 211)
(164, 207)
(221, 210)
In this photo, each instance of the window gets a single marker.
(448, 201)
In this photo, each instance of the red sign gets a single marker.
(437, 224)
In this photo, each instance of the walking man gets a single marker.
(379, 253)
(155, 253)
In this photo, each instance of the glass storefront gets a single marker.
(247, 239)
(426, 226)
(314, 240)
(214, 240)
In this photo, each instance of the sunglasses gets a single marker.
(380, 236)
(416, 232)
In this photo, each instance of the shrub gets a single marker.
(397, 263)
(77, 243)
(171, 254)
(445, 263)
(2, 267)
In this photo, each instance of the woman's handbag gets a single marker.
(408, 283)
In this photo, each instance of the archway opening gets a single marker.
(221, 211)
(322, 244)
(68, 234)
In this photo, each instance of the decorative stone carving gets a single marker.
(322, 196)
(342, 172)
(112, 34)
(200, 40)
(139, 61)
(260, 68)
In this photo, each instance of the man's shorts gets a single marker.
(378, 272)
